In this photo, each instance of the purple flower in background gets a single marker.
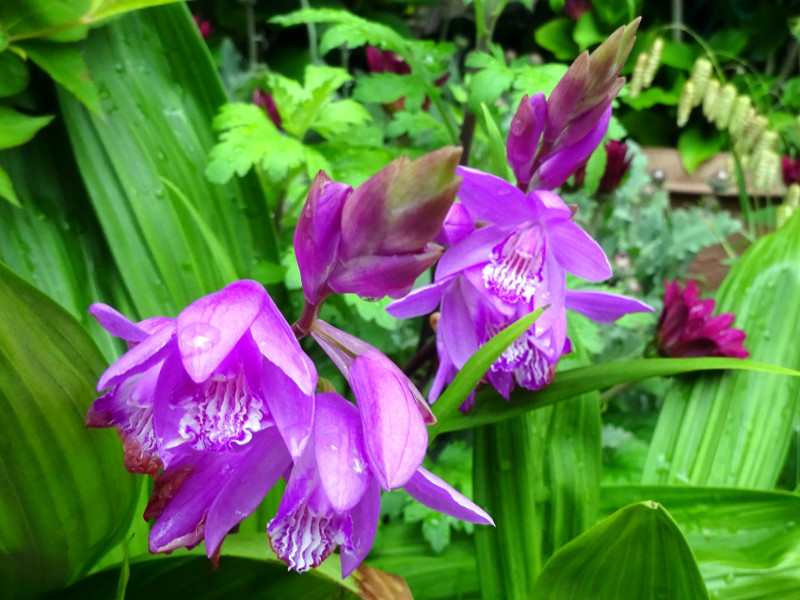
(334, 489)
(686, 328)
(266, 102)
(551, 138)
(790, 170)
(376, 240)
(617, 164)
(222, 396)
(505, 270)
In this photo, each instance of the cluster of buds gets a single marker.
(646, 67)
(730, 111)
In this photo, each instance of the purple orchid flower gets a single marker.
(334, 489)
(505, 270)
(376, 240)
(222, 397)
(552, 138)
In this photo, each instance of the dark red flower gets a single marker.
(204, 27)
(267, 103)
(686, 328)
(575, 9)
(617, 164)
(791, 170)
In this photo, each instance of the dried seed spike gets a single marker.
(752, 132)
(701, 74)
(741, 106)
(685, 103)
(637, 80)
(710, 99)
(792, 199)
(653, 60)
(725, 102)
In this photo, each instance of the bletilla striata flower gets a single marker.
(333, 494)
(507, 269)
(551, 138)
(375, 240)
(221, 396)
(686, 328)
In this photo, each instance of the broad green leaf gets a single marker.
(66, 66)
(66, 496)
(736, 430)
(13, 74)
(388, 87)
(475, 368)
(743, 528)
(595, 167)
(778, 582)
(497, 147)
(51, 19)
(638, 552)
(108, 8)
(696, 147)
(490, 407)
(556, 36)
(157, 112)
(17, 128)
(7, 188)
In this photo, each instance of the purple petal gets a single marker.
(339, 448)
(394, 431)
(209, 328)
(116, 323)
(377, 276)
(473, 250)
(142, 356)
(490, 198)
(458, 323)
(244, 488)
(549, 206)
(577, 252)
(421, 301)
(603, 306)
(433, 492)
(316, 238)
(554, 171)
(364, 516)
(290, 407)
(277, 343)
(523, 139)
(457, 225)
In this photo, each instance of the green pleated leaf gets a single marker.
(638, 552)
(734, 430)
(17, 128)
(156, 126)
(477, 365)
(490, 407)
(66, 498)
(13, 74)
(778, 582)
(108, 8)
(66, 66)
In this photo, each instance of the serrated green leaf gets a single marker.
(477, 365)
(67, 499)
(13, 74)
(7, 189)
(489, 407)
(17, 128)
(531, 79)
(66, 66)
(58, 20)
(339, 117)
(638, 552)
(488, 84)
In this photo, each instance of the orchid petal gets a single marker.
(139, 358)
(577, 252)
(279, 345)
(603, 306)
(364, 516)
(433, 492)
(457, 225)
(116, 323)
(245, 487)
(457, 323)
(209, 328)
(395, 435)
(490, 198)
(339, 448)
(523, 138)
(421, 301)
(474, 249)
(290, 407)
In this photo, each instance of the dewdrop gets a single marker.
(637, 80)
(741, 106)
(686, 103)
(653, 60)
(701, 74)
(710, 99)
(727, 97)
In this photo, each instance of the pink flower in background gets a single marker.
(790, 170)
(686, 328)
(617, 164)
(575, 9)
(204, 27)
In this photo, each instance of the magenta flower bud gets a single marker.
(617, 164)
(266, 102)
(386, 61)
(686, 328)
(790, 170)
(204, 27)
(375, 241)
(523, 138)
